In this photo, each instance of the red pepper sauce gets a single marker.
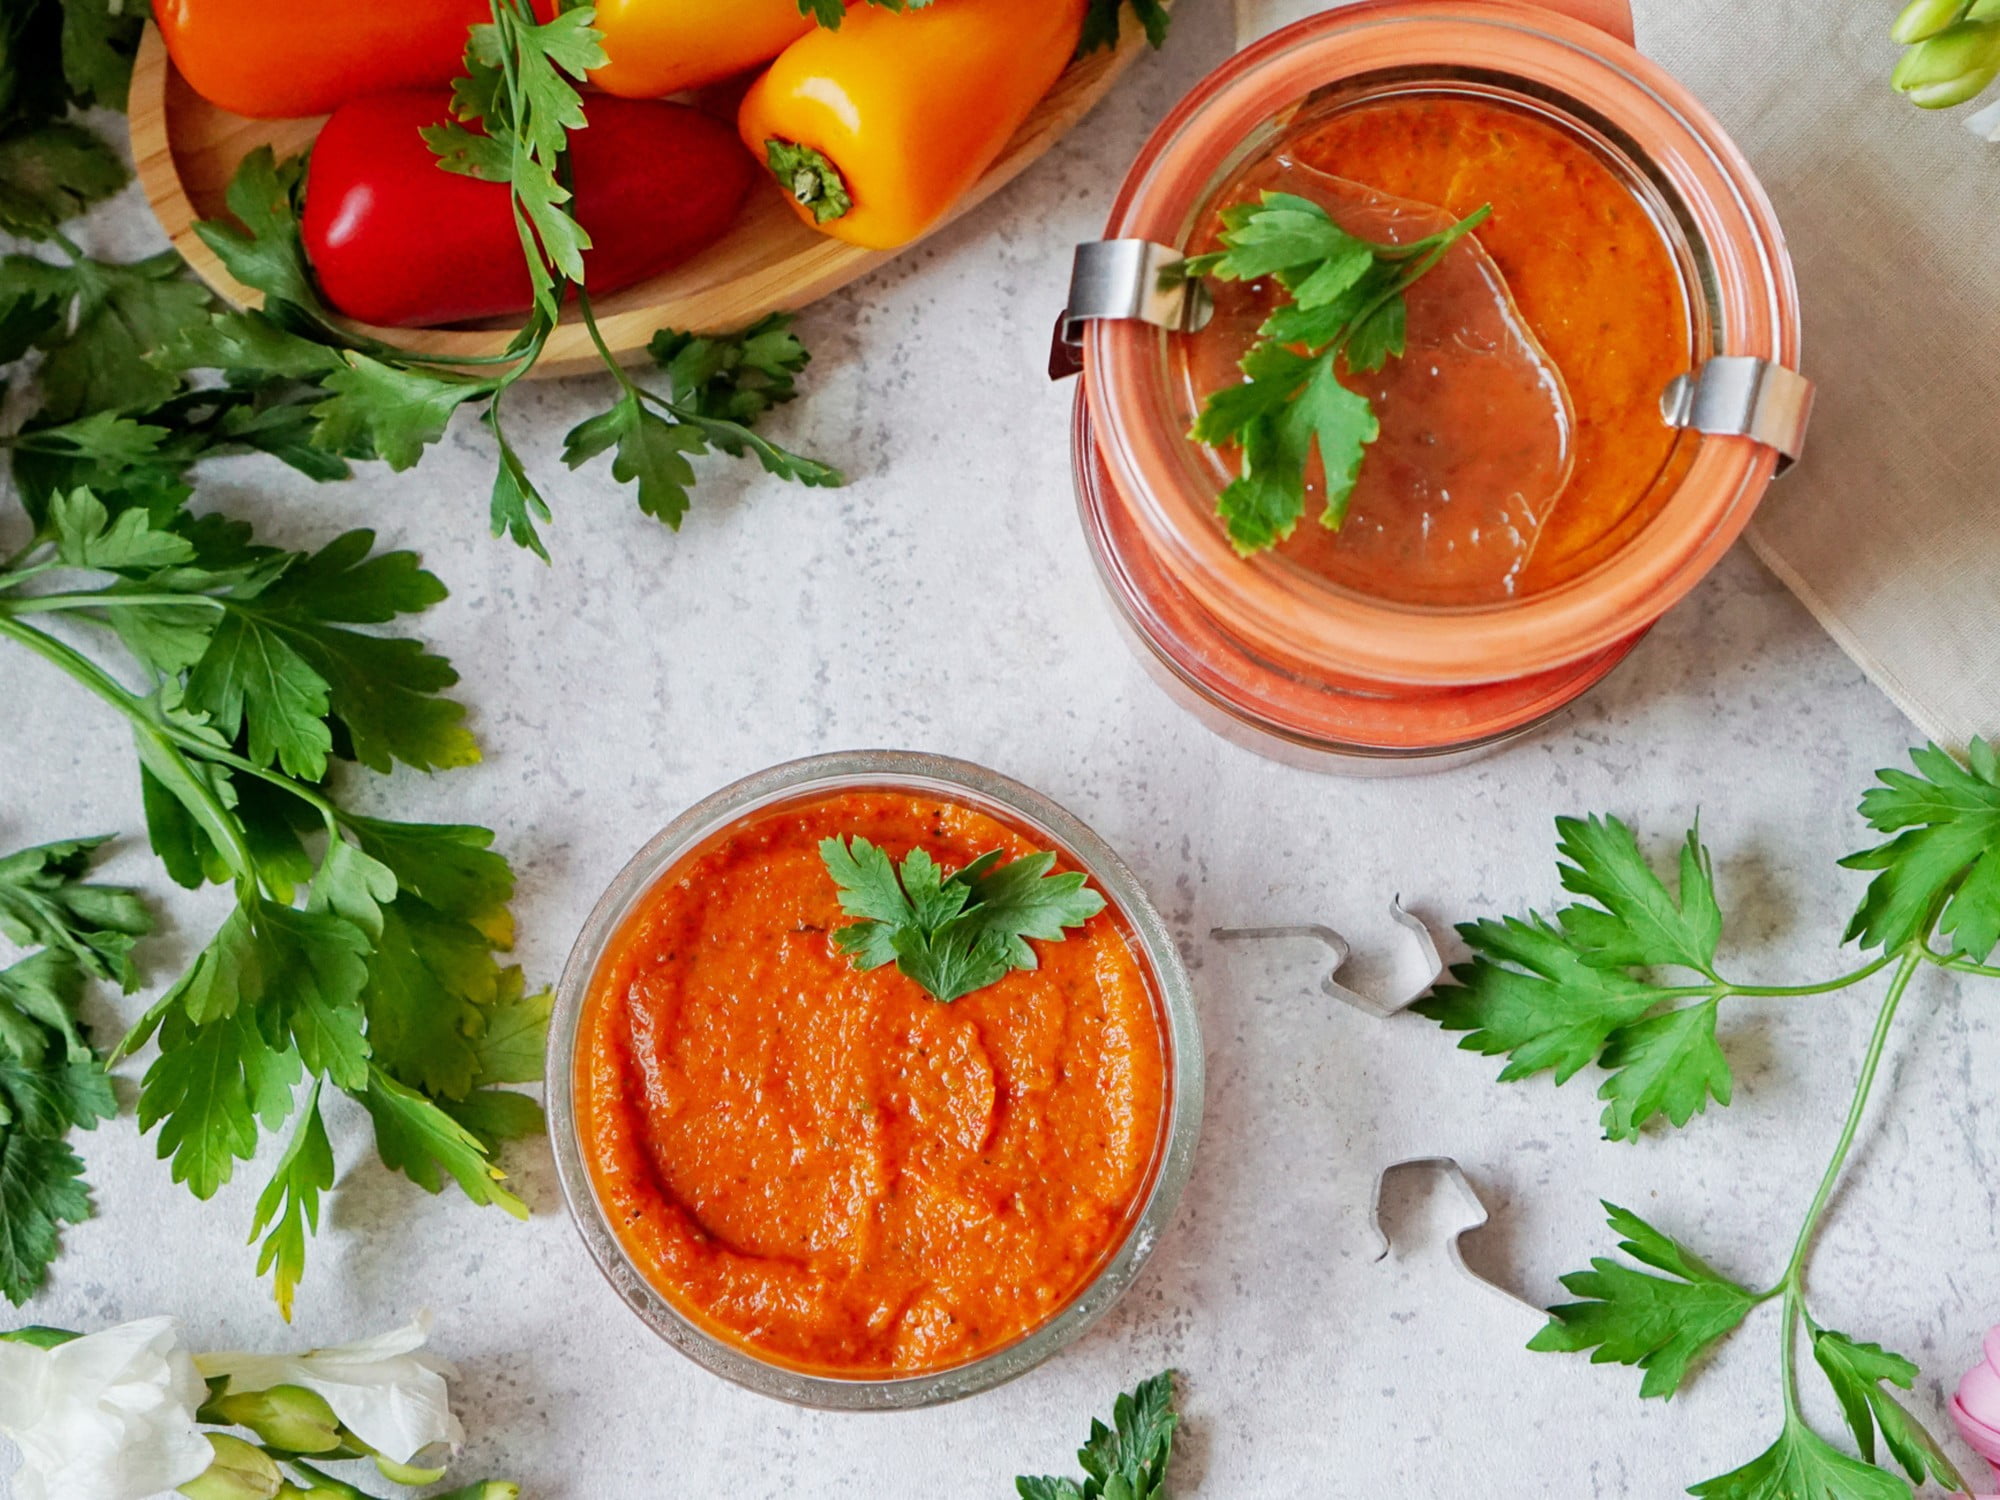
(1475, 492)
(829, 1168)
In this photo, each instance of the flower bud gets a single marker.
(1925, 18)
(409, 1474)
(1951, 67)
(289, 1417)
(1976, 1407)
(486, 1489)
(239, 1472)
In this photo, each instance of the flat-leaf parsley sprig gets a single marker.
(360, 953)
(515, 107)
(1345, 307)
(1586, 986)
(951, 934)
(143, 374)
(1127, 1460)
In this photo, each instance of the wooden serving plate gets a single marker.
(186, 150)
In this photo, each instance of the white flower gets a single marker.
(109, 1416)
(1985, 124)
(383, 1391)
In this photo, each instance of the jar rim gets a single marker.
(1552, 53)
(1154, 949)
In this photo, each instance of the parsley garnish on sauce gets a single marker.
(1346, 307)
(951, 934)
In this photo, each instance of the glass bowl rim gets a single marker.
(899, 769)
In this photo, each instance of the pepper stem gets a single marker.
(813, 181)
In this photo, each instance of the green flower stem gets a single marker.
(1793, 1284)
(164, 739)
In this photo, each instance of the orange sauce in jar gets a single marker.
(1522, 440)
(830, 1169)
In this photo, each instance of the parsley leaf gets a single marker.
(1551, 994)
(1640, 924)
(1661, 1324)
(1559, 995)
(954, 934)
(1857, 1372)
(830, 13)
(46, 903)
(51, 1080)
(1127, 1460)
(1346, 302)
(1942, 867)
(289, 1204)
(423, 1142)
(733, 378)
(651, 453)
(1104, 19)
(518, 97)
(114, 317)
(41, 1189)
(1668, 1064)
(390, 410)
(718, 387)
(1802, 1465)
(53, 172)
(56, 55)
(1533, 997)
(99, 40)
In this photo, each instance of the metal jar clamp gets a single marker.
(1731, 395)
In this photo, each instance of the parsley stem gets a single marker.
(180, 738)
(13, 577)
(1779, 991)
(44, 604)
(1422, 267)
(220, 822)
(597, 337)
(1959, 965)
(1793, 1283)
(329, 813)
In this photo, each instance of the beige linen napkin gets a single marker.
(1889, 531)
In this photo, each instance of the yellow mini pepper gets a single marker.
(877, 129)
(662, 46)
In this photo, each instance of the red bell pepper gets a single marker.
(396, 240)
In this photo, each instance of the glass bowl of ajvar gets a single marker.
(821, 1183)
(1499, 559)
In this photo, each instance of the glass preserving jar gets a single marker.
(1280, 658)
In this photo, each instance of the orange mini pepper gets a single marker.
(304, 57)
(661, 46)
(876, 130)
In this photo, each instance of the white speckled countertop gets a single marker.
(944, 601)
